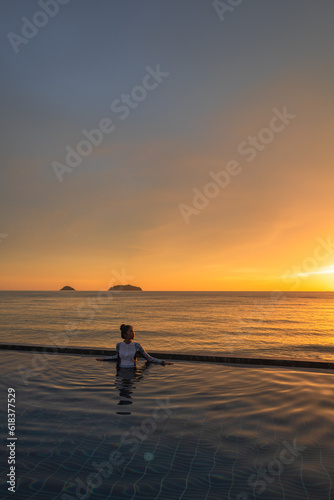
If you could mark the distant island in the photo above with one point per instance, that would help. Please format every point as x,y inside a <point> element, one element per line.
<point>125,288</point>
<point>67,288</point>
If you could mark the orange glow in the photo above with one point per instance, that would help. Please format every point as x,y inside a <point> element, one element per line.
<point>256,234</point>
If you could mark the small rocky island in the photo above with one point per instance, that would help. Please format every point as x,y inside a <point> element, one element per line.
<point>125,288</point>
<point>67,288</point>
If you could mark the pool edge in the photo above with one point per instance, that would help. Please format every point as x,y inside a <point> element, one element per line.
<point>176,356</point>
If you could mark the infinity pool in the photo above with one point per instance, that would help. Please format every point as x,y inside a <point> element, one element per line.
<point>186,431</point>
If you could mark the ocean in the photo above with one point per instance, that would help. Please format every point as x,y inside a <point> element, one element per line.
<point>285,325</point>
<point>237,432</point>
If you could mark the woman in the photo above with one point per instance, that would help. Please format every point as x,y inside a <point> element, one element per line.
<point>127,351</point>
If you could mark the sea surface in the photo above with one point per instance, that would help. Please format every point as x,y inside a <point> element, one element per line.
<point>285,325</point>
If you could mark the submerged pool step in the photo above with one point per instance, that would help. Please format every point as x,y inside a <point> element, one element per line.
<point>93,351</point>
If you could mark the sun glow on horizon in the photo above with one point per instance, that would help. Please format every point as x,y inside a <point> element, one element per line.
<point>325,270</point>
<point>240,133</point>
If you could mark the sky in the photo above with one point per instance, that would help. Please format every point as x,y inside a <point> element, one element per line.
<point>170,144</point>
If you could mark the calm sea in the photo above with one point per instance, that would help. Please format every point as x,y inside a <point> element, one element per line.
<point>296,325</point>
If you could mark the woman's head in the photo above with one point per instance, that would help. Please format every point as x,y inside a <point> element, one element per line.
<point>125,330</point>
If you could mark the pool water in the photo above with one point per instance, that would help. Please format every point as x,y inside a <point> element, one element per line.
<point>186,431</point>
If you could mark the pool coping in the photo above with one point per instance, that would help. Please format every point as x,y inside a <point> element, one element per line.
<point>52,349</point>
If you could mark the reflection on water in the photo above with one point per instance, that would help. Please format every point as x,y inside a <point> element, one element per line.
<point>125,382</point>
<point>254,324</point>
<point>233,432</point>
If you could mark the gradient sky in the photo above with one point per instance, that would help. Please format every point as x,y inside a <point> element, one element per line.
<point>270,228</point>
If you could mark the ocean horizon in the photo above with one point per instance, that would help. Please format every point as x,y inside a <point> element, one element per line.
<point>288,325</point>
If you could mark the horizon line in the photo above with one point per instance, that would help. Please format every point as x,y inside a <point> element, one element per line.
<point>219,291</point>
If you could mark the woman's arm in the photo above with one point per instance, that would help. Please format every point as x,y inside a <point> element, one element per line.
<point>109,358</point>
<point>142,351</point>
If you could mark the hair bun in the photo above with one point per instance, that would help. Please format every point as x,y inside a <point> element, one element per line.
<point>121,326</point>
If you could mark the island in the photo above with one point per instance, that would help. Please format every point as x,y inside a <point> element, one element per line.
<point>125,288</point>
<point>67,288</point>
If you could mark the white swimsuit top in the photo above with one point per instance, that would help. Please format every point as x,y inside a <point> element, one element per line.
<point>127,354</point>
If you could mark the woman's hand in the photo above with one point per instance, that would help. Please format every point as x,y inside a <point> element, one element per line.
<point>166,363</point>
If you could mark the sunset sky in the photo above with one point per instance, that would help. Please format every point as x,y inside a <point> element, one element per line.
<point>181,89</point>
